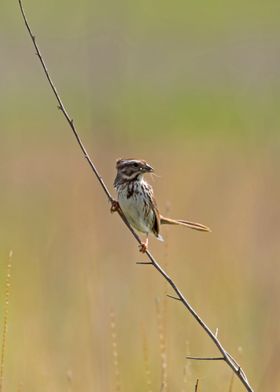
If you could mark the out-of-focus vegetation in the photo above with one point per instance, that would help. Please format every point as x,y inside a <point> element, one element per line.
<point>193,89</point>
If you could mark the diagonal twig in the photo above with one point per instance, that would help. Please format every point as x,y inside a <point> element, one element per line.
<point>231,362</point>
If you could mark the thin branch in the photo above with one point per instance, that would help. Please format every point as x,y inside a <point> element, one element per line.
<point>227,358</point>
<point>206,358</point>
<point>61,106</point>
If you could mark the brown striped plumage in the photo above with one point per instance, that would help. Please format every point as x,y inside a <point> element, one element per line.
<point>137,202</point>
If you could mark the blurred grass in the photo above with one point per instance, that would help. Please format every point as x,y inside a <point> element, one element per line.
<point>192,88</point>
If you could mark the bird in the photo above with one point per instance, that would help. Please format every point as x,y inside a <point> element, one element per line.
<point>137,202</point>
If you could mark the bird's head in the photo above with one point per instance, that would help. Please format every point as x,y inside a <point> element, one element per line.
<point>131,169</point>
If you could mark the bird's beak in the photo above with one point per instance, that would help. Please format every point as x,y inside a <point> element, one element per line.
<point>149,168</point>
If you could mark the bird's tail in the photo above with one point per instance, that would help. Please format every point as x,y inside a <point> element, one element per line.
<point>191,225</point>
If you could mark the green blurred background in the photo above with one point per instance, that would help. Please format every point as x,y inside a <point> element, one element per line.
<point>193,88</point>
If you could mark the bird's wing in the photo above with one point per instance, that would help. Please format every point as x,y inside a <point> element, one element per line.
<point>154,208</point>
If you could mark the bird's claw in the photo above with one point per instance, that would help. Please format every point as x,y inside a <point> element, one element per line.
<point>114,206</point>
<point>143,247</point>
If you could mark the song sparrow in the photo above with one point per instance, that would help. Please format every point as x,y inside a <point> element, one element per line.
<point>137,202</point>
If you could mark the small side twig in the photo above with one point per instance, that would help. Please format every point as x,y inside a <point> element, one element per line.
<point>173,297</point>
<point>206,358</point>
<point>226,356</point>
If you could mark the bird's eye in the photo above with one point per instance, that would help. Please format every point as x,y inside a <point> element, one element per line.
<point>135,164</point>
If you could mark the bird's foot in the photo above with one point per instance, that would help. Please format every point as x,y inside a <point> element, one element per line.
<point>143,247</point>
<point>115,206</point>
